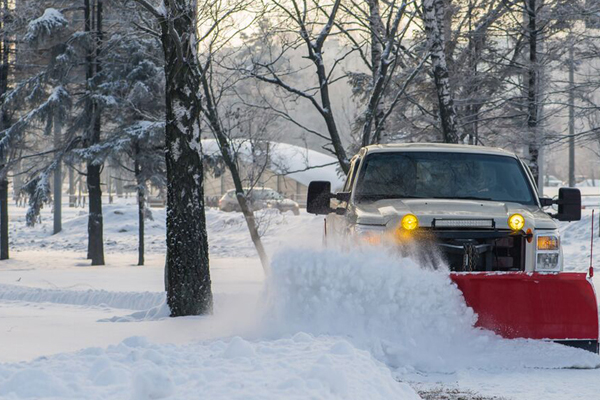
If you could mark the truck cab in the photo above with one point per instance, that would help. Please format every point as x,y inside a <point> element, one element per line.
<point>478,205</point>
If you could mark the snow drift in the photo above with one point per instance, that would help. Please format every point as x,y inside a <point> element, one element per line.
<point>89,298</point>
<point>297,368</point>
<point>411,318</point>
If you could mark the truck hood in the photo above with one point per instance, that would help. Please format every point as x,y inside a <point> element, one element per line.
<point>389,212</point>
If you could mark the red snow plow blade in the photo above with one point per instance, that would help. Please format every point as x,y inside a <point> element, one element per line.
<point>559,307</point>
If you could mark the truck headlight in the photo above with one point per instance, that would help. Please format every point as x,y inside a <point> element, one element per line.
<point>371,234</point>
<point>547,253</point>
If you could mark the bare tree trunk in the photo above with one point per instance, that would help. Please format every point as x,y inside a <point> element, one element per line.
<point>327,112</point>
<point>377,43</point>
<point>109,184</point>
<point>315,55</point>
<point>187,273</point>
<point>433,14</point>
<point>381,54</point>
<point>228,157</point>
<point>4,123</point>
<point>141,192</point>
<point>95,219</point>
<point>57,180</point>
<point>472,110</point>
<point>533,89</point>
<point>4,253</point>
<point>72,198</point>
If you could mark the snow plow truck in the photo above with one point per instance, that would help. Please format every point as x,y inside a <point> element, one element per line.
<point>479,210</point>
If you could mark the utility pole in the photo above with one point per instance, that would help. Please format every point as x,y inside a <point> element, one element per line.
<point>571,114</point>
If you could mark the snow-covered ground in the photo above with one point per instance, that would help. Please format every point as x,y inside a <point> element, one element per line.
<point>323,325</point>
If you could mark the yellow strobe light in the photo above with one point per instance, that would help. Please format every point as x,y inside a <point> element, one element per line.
<point>410,222</point>
<point>516,222</point>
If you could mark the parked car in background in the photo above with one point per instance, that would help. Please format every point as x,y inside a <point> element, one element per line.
<point>552,181</point>
<point>259,198</point>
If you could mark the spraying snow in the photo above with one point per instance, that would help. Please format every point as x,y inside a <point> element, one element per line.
<point>411,318</point>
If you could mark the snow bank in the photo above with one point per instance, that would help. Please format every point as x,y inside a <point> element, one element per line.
<point>120,230</point>
<point>411,318</point>
<point>90,298</point>
<point>227,231</point>
<point>300,367</point>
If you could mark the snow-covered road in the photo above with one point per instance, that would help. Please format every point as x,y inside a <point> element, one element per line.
<point>322,326</point>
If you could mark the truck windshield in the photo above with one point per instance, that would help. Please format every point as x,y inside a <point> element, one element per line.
<point>441,175</point>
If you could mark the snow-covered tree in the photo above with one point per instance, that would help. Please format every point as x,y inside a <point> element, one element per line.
<point>37,97</point>
<point>62,48</point>
<point>135,78</point>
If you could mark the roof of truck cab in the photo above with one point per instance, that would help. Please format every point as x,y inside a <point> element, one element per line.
<point>437,147</point>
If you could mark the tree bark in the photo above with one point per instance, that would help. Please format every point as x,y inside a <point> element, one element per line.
<point>187,274</point>
<point>433,14</point>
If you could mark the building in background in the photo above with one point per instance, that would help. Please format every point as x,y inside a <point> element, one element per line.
<point>283,167</point>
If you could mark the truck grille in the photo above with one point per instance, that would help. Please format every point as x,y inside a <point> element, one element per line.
<point>477,249</point>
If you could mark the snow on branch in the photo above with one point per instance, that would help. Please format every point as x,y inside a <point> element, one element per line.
<point>39,193</point>
<point>143,130</point>
<point>48,24</point>
<point>120,141</point>
<point>55,105</point>
<point>159,12</point>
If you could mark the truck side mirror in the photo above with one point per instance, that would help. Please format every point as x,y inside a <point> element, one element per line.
<point>569,205</point>
<point>319,196</point>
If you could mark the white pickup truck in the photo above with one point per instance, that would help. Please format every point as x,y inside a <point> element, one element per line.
<point>479,208</point>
